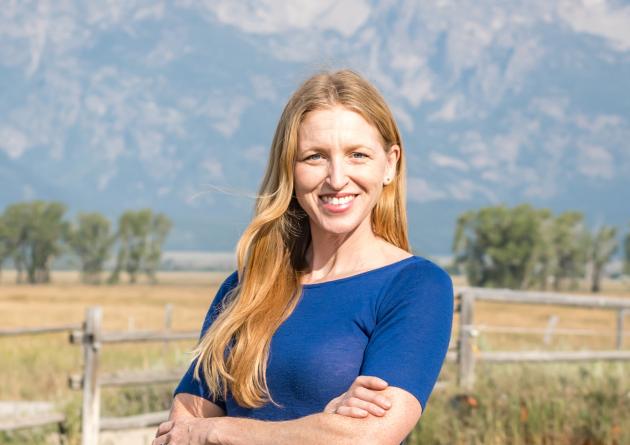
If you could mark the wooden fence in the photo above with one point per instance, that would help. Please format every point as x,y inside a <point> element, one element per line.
<point>15,415</point>
<point>468,354</point>
<point>92,339</point>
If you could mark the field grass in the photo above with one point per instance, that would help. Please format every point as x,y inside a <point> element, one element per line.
<point>560,404</point>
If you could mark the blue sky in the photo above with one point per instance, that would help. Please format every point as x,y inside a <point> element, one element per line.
<point>115,105</point>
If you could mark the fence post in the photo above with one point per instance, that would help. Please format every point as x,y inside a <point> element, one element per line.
<point>168,317</point>
<point>551,326</point>
<point>621,315</point>
<point>91,389</point>
<point>465,354</point>
<point>168,324</point>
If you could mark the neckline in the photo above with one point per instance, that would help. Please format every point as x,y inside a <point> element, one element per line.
<point>360,274</point>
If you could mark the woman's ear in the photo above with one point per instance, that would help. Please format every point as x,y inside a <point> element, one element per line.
<point>393,155</point>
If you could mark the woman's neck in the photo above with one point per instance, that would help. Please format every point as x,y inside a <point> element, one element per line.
<point>331,255</point>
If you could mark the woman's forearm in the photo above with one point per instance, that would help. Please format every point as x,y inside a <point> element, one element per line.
<point>316,429</point>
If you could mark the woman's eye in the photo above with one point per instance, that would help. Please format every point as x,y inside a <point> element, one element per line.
<point>313,157</point>
<point>359,155</point>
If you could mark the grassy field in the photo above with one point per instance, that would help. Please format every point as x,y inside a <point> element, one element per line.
<point>580,403</point>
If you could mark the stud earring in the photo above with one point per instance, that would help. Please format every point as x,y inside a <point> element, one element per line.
<point>387,180</point>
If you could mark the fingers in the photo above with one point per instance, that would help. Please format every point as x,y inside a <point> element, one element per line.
<point>331,406</point>
<point>370,396</point>
<point>372,382</point>
<point>362,398</point>
<point>351,411</point>
<point>362,406</point>
<point>164,428</point>
<point>161,440</point>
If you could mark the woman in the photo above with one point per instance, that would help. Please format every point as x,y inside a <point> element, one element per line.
<point>328,317</point>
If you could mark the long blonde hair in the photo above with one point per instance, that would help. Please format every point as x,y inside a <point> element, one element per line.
<point>271,251</point>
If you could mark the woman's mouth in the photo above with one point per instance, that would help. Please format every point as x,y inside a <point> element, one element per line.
<point>337,203</point>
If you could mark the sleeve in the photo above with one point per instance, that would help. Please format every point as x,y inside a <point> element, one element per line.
<point>413,328</point>
<point>188,384</point>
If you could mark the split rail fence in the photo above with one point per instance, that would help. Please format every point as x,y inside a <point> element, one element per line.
<point>92,338</point>
<point>467,354</point>
<point>23,415</point>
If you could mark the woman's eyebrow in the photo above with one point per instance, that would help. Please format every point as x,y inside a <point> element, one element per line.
<point>346,148</point>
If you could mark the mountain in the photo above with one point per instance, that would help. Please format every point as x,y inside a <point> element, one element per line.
<point>108,106</point>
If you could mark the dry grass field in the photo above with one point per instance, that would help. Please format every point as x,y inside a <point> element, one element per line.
<point>37,367</point>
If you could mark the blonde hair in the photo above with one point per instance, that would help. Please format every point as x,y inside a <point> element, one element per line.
<point>271,251</point>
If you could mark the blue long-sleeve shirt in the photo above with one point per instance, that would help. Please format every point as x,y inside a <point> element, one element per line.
<point>393,322</point>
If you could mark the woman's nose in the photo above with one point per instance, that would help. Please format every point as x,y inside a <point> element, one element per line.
<point>337,175</point>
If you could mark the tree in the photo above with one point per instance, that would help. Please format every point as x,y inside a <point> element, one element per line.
<point>5,244</point>
<point>497,245</point>
<point>603,245</point>
<point>140,237</point>
<point>91,240</point>
<point>569,240</point>
<point>160,226</point>
<point>34,232</point>
<point>540,267</point>
<point>18,227</point>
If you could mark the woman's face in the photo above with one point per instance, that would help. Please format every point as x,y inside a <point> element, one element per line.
<point>340,170</point>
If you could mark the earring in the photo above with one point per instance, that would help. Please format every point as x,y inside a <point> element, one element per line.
<point>386,180</point>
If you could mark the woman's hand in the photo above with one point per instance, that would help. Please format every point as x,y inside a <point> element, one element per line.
<point>361,399</point>
<point>187,431</point>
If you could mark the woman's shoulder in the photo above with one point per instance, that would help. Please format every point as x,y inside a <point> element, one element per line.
<point>419,282</point>
<point>414,267</point>
<point>421,269</point>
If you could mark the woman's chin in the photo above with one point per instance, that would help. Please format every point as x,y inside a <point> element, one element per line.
<point>337,228</point>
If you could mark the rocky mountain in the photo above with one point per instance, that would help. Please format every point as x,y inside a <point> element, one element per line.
<point>112,105</point>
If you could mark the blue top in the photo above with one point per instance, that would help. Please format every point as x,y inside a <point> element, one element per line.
<point>393,322</point>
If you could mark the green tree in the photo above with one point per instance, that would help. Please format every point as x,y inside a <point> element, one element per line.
<point>569,240</point>
<point>497,245</point>
<point>91,240</point>
<point>540,266</point>
<point>18,227</point>
<point>5,244</point>
<point>603,245</point>
<point>34,232</point>
<point>160,227</point>
<point>140,237</point>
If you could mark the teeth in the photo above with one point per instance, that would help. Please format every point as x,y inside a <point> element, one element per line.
<point>337,201</point>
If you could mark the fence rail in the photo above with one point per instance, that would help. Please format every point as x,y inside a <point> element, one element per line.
<point>548,298</point>
<point>16,415</point>
<point>11,424</point>
<point>38,330</point>
<point>76,336</point>
<point>75,381</point>
<point>533,331</point>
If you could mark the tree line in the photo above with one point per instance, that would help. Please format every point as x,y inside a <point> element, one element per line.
<point>34,233</point>
<point>524,247</point>
<point>519,247</point>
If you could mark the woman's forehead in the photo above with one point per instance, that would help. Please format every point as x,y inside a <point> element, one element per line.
<point>336,125</point>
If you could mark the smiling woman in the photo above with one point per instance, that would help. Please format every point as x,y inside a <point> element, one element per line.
<point>330,331</point>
